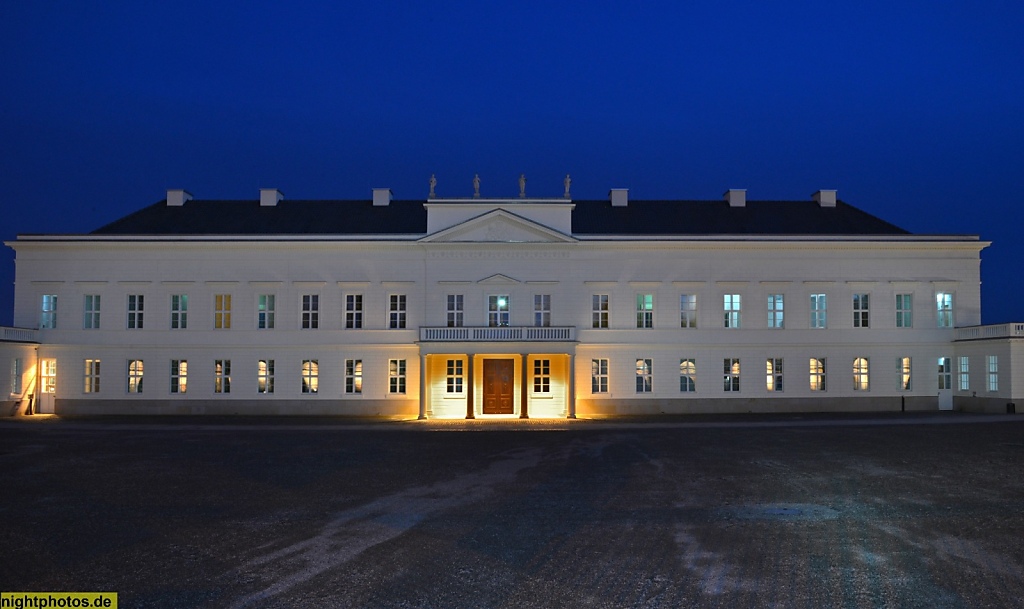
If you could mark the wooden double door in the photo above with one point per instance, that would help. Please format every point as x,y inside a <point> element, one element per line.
<point>499,386</point>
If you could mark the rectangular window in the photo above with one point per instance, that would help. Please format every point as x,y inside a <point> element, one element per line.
<point>599,308</point>
<point>817,374</point>
<point>135,370</point>
<point>265,376</point>
<point>819,311</point>
<point>945,373</point>
<point>353,311</point>
<point>903,368</point>
<point>542,310</point>
<point>48,376</point>
<point>964,373</point>
<point>454,378</point>
<point>688,375</point>
<point>92,376</point>
<point>944,309</point>
<point>455,310</point>
<point>645,310</point>
<point>904,310</point>
<point>311,311</point>
<point>542,376</point>
<point>48,312</point>
<point>396,376</point>
<point>860,374</point>
<point>731,374</point>
<point>687,310</point>
<point>310,376</point>
<point>179,375</point>
<point>136,309</point>
<point>396,311</point>
<point>179,311</point>
<point>644,382</point>
<point>599,376</point>
<point>860,310</point>
<point>993,373</point>
<point>353,376</point>
<point>91,318</point>
<point>266,310</point>
<point>498,310</point>
<point>773,370</point>
<point>222,311</point>
<point>222,376</point>
<point>731,306</point>
<point>776,317</point>
<point>16,372</point>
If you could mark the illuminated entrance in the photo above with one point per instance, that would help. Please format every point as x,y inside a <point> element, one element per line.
<point>498,386</point>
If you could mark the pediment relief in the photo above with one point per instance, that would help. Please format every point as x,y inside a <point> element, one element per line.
<point>498,226</point>
<point>498,279</point>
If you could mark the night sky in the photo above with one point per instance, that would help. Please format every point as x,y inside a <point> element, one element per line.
<point>912,110</point>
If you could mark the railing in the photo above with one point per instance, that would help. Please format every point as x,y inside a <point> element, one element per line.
<point>498,334</point>
<point>19,335</point>
<point>1011,330</point>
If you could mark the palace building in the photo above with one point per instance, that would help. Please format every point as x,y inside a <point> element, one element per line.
<point>502,307</point>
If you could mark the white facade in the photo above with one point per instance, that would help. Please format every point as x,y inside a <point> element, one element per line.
<point>496,308</point>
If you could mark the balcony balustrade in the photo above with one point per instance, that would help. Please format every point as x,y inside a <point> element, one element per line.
<point>498,334</point>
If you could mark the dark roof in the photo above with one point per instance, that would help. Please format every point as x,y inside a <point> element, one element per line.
<point>295,217</point>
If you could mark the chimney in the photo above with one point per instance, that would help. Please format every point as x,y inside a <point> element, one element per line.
<point>619,196</point>
<point>825,198</point>
<point>269,197</point>
<point>737,197</point>
<point>381,197</point>
<point>176,197</point>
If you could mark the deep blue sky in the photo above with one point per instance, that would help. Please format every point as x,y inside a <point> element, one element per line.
<point>914,111</point>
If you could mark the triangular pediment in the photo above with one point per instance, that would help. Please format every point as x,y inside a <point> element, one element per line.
<point>498,226</point>
<point>498,279</point>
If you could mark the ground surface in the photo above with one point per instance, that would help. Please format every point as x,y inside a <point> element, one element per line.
<point>750,513</point>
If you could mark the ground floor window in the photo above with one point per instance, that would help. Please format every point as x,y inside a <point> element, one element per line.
<point>310,376</point>
<point>16,376</point>
<point>454,376</point>
<point>688,375</point>
<point>860,374</point>
<point>644,380</point>
<point>542,376</point>
<point>945,373</point>
<point>396,376</point>
<point>265,376</point>
<point>903,366</point>
<point>773,371</point>
<point>179,375</point>
<point>222,376</point>
<point>135,370</point>
<point>48,376</point>
<point>993,373</point>
<point>353,376</point>
<point>599,376</point>
<point>817,373</point>
<point>731,374</point>
<point>965,373</point>
<point>92,376</point>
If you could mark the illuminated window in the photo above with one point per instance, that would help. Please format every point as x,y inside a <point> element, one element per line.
<point>644,382</point>
<point>945,373</point>
<point>860,374</point>
<point>861,310</point>
<point>498,310</point>
<point>599,375</point>
<point>179,375</point>
<point>819,311</point>
<point>353,311</point>
<point>92,376</point>
<point>944,309</point>
<point>599,310</point>
<point>645,310</point>
<point>542,310</point>
<point>265,376</point>
<point>48,376</point>
<point>542,376</point>
<point>91,318</point>
<point>455,310</point>
<point>731,374</point>
<point>904,310</point>
<point>48,313</point>
<point>396,376</point>
<point>135,370</point>
<point>687,310</point>
<point>817,373</point>
<point>453,376</point>
<point>773,372</point>
<point>732,307</point>
<point>311,311</point>
<point>310,376</point>
<point>688,375</point>
<point>222,376</point>
<point>179,311</point>
<point>353,376</point>
<point>222,311</point>
<point>136,309</point>
<point>903,368</point>
<point>776,315</point>
<point>396,311</point>
<point>964,373</point>
<point>266,310</point>
<point>993,373</point>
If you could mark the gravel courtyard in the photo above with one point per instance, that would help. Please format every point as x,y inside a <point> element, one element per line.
<point>802,512</point>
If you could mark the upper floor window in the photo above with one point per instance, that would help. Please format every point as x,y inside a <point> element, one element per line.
<point>455,310</point>
<point>48,312</point>
<point>311,311</point>
<point>599,308</point>
<point>773,370</point>
<point>687,310</point>
<point>353,311</point>
<point>222,311</point>
<point>731,306</point>
<point>396,311</point>
<point>645,310</point>
<point>819,311</point>
<point>136,309</point>
<point>904,310</point>
<point>91,318</point>
<point>944,309</point>
<point>542,310</point>
<point>498,310</point>
<point>266,311</point>
<point>179,311</point>
<point>860,310</point>
<point>776,314</point>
